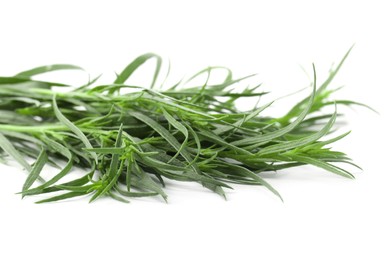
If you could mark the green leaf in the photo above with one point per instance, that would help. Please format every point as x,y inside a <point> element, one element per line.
<point>135,194</point>
<point>246,118</point>
<point>106,150</point>
<point>62,197</point>
<point>63,151</point>
<point>36,170</point>
<point>110,185</point>
<point>50,182</point>
<point>112,172</point>
<point>262,139</point>
<point>70,185</point>
<point>47,68</point>
<point>15,80</point>
<point>323,143</point>
<point>7,146</point>
<point>334,72</point>
<point>128,174</point>
<point>118,198</point>
<point>208,135</point>
<point>215,188</point>
<point>176,124</point>
<point>10,117</point>
<point>144,181</point>
<point>56,147</point>
<point>323,165</point>
<point>166,135</point>
<point>245,172</point>
<point>322,88</point>
<point>133,66</point>
<point>22,136</point>
<point>154,162</point>
<point>73,128</point>
<point>288,145</point>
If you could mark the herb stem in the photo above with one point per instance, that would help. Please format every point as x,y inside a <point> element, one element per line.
<point>45,128</point>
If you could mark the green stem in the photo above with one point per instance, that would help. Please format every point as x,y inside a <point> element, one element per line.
<point>51,93</point>
<point>45,128</point>
<point>32,129</point>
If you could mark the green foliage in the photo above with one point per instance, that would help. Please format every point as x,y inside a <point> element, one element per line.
<point>133,141</point>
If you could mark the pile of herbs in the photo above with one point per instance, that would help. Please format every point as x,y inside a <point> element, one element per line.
<point>131,142</point>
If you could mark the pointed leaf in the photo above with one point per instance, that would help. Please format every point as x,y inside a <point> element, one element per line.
<point>36,170</point>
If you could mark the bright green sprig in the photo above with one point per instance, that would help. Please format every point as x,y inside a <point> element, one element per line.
<point>131,143</point>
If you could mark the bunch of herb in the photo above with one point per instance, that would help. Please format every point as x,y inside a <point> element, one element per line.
<point>130,143</point>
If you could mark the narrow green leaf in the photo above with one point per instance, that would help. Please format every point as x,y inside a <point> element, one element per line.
<point>145,181</point>
<point>52,181</point>
<point>323,143</point>
<point>166,135</point>
<point>73,128</point>
<point>85,188</point>
<point>133,66</point>
<point>334,72</point>
<point>57,147</point>
<point>118,198</point>
<point>115,157</point>
<point>10,117</point>
<point>323,165</point>
<point>154,162</point>
<point>215,188</point>
<point>244,171</point>
<point>128,174</point>
<point>62,197</point>
<point>47,68</point>
<point>208,135</point>
<point>176,124</point>
<point>262,139</point>
<point>246,118</point>
<point>36,170</point>
<point>22,136</point>
<point>323,86</point>
<point>72,184</point>
<point>106,150</point>
<point>288,145</point>
<point>7,146</point>
<point>113,180</point>
<point>135,194</point>
<point>42,84</point>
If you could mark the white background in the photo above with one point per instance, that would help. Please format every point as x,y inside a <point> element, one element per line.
<point>323,216</point>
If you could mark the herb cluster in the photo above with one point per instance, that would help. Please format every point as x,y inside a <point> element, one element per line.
<point>131,142</point>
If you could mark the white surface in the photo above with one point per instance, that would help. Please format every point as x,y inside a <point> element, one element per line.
<point>323,216</point>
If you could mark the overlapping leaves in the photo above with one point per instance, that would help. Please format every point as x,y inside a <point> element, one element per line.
<point>131,142</point>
